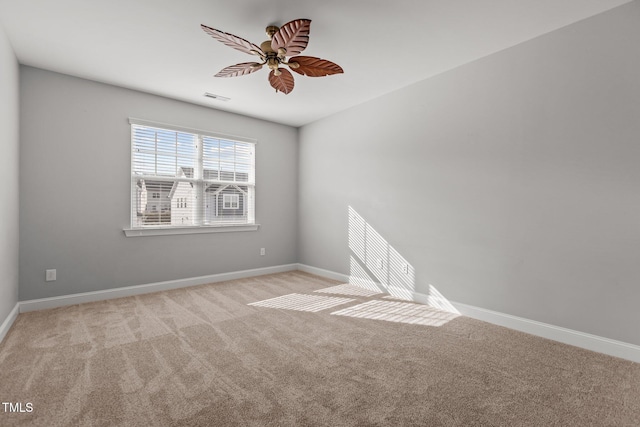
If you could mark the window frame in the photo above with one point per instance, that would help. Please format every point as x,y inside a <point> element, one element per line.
<point>155,230</point>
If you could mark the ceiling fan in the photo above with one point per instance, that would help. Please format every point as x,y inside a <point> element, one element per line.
<point>289,40</point>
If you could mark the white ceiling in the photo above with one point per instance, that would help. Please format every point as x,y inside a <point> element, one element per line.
<point>157,46</point>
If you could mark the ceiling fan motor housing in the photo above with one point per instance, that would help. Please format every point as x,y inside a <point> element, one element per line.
<point>270,56</point>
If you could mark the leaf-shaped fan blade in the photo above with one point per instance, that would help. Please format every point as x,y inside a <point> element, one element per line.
<point>233,41</point>
<point>314,67</point>
<point>282,83</point>
<point>292,36</point>
<point>239,69</point>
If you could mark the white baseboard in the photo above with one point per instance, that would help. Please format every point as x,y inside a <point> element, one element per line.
<point>61,301</point>
<point>6,325</point>
<point>556,333</point>
<point>567,336</point>
<point>323,273</point>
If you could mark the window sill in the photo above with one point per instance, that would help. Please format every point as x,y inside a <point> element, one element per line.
<point>164,231</point>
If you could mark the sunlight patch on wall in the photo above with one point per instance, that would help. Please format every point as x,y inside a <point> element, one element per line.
<point>376,265</point>
<point>359,277</point>
<point>302,302</point>
<point>437,300</point>
<point>382,261</point>
<point>351,290</point>
<point>357,232</point>
<point>395,311</point>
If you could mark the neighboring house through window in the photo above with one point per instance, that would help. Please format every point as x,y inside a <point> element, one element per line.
<point>182,177</point>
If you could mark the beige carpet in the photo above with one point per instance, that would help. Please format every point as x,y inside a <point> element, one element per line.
<point>272,351</point>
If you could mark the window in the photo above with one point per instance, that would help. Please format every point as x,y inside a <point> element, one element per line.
<point>187,178</point>
<point>230,201</point>
<point>181,202</point>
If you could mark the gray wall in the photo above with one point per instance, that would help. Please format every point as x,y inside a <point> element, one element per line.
<point>75,190</point>
<point>511,183</point>
<point>9,116</point>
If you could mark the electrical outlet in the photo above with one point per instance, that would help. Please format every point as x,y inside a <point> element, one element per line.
<point>405,268</point>
<point>263,251</point>
<point>380,264</point>
<point>50,275</point>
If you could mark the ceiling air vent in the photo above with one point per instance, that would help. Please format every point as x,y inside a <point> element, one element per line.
<point>217,97</point>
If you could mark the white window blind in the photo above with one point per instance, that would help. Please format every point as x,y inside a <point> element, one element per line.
<point>185,178</point>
